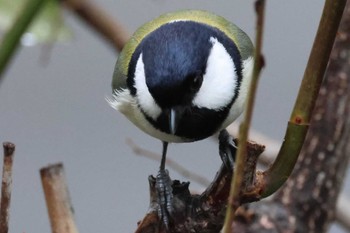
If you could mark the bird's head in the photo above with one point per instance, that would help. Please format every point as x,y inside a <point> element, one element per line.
<point>185,76</point>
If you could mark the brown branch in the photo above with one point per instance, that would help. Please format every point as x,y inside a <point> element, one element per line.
<point>100,21</point>
<point>196,213</point>
<point>6,187</point>
<point>342,213</point>
<point>57,199</point>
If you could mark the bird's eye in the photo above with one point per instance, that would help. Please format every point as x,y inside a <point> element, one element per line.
<point>196,82</point>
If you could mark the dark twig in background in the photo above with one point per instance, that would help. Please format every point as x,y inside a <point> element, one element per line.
<point>95,17</point>
<point>6,186</point>
<point>57,199</point>
<point>170,164</point>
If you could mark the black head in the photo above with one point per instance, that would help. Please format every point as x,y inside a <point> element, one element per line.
<point>174,59</point>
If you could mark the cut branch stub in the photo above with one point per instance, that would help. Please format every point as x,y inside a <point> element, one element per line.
<point>57,199</point>
<point>6,187</point>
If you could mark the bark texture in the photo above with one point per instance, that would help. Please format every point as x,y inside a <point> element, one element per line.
<point>200,213</point>
<point>307,202</point>
<point>312,191</point>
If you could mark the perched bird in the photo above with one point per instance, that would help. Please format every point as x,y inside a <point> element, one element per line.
<point>183,77</point>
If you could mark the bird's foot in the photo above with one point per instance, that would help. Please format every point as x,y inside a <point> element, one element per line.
<point>227,149</point>
<point>165,197</point>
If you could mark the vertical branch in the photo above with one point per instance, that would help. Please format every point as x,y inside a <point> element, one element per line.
<point>57,199</point>
<point>298,124</point>
<point>6,186</point>
<point>317,63</point>
<point>314,186</point>
<point>236,191</point>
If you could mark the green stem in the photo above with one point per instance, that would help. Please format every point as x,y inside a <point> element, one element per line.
<point>237,180</point>
<point>317,64</point>
<point>283,166</point>
<point>11,39</point>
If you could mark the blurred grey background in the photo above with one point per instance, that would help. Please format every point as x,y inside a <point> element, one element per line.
<point>58,113</point>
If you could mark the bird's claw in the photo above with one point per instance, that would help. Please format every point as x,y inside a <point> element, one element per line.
<point>227,149</point>
<point>165,196</point>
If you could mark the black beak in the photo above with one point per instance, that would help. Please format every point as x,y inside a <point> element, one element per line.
<point>175,116</point>
<point>172,122</point>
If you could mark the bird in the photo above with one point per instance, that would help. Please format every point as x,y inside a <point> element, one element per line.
<point>183,77</point>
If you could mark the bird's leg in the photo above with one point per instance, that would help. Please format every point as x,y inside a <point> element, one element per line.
<point>164,190</point>
<point>227,149</point>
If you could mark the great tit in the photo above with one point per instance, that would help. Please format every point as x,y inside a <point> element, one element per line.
<point>182,77</point>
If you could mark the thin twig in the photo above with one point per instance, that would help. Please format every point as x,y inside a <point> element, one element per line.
<point>100,21</point>
<point>237,181</point>
<point>170,163</point>
<point>57,199</point>
<point>6,188</point>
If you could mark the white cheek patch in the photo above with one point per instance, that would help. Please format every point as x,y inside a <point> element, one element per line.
<point>219,81</point>
<point>144,98</point>
<point>238,106</point>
